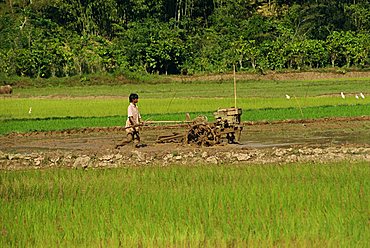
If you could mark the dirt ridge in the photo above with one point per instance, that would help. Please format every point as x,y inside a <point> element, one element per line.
<point>184,157</point>
<point>273,75</point>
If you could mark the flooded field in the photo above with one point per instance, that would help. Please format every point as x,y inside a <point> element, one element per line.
<point>276,142</point>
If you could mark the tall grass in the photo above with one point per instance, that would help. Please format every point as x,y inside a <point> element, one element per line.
<point>292,205</point>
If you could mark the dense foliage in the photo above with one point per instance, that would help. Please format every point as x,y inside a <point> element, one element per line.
<point>61,38</point>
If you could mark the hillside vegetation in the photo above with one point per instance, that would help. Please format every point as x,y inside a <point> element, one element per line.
<point>64,38</point>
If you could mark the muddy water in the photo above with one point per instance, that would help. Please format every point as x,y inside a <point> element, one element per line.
<point>311,134</point>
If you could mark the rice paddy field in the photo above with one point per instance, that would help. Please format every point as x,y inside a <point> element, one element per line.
<point>62,107</point>
<point>319,203</point>
<point>300,205</point>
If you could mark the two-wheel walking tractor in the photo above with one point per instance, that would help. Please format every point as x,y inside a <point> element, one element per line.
<point>227,126</point>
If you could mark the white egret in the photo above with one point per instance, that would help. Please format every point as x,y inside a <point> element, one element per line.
<point>362,95</point>
<point>287,96</point>
<point>342,94</point>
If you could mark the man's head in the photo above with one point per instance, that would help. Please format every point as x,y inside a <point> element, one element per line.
<point>133,97</point>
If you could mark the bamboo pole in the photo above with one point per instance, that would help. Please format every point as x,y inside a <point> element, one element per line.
<point>234,87</point>
<point>159,122</point>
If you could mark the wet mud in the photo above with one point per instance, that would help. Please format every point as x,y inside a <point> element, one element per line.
<point>263,142</point>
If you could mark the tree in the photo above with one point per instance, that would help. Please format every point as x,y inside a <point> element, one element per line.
<point>359,16</point>
<point>47,38</point>
<point>345,47</point>
<point>154,46</point>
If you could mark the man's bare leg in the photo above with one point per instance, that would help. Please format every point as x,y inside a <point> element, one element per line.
<point>136,137</point>
<point>130,138</point>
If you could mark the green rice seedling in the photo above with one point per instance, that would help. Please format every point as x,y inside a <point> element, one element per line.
<point>271,114</point>
<point>68,107</point>
<point>268,205</point>
<point>15,108</point>
<point>268,114</point>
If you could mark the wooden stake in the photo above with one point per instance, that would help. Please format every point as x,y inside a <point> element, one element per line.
<point>234,87</point>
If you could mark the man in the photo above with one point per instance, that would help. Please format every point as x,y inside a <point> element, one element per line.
<point>133,122</point>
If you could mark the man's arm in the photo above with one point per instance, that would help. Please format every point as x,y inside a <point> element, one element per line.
<point>132,121</point>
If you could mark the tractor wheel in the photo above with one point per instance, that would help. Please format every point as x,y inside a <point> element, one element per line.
<point>231,138</point>
<point>202,135</point>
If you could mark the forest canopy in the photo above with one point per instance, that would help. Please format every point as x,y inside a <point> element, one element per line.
<point>61,38</point>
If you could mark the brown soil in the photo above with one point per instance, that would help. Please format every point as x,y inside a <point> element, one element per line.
<point>271,75</point>
<point>321,140</point>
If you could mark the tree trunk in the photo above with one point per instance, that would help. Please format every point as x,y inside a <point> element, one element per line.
<point>10,3</point>
<point>253,62</point>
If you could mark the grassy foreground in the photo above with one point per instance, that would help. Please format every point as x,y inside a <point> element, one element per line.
<point>265,205</point>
